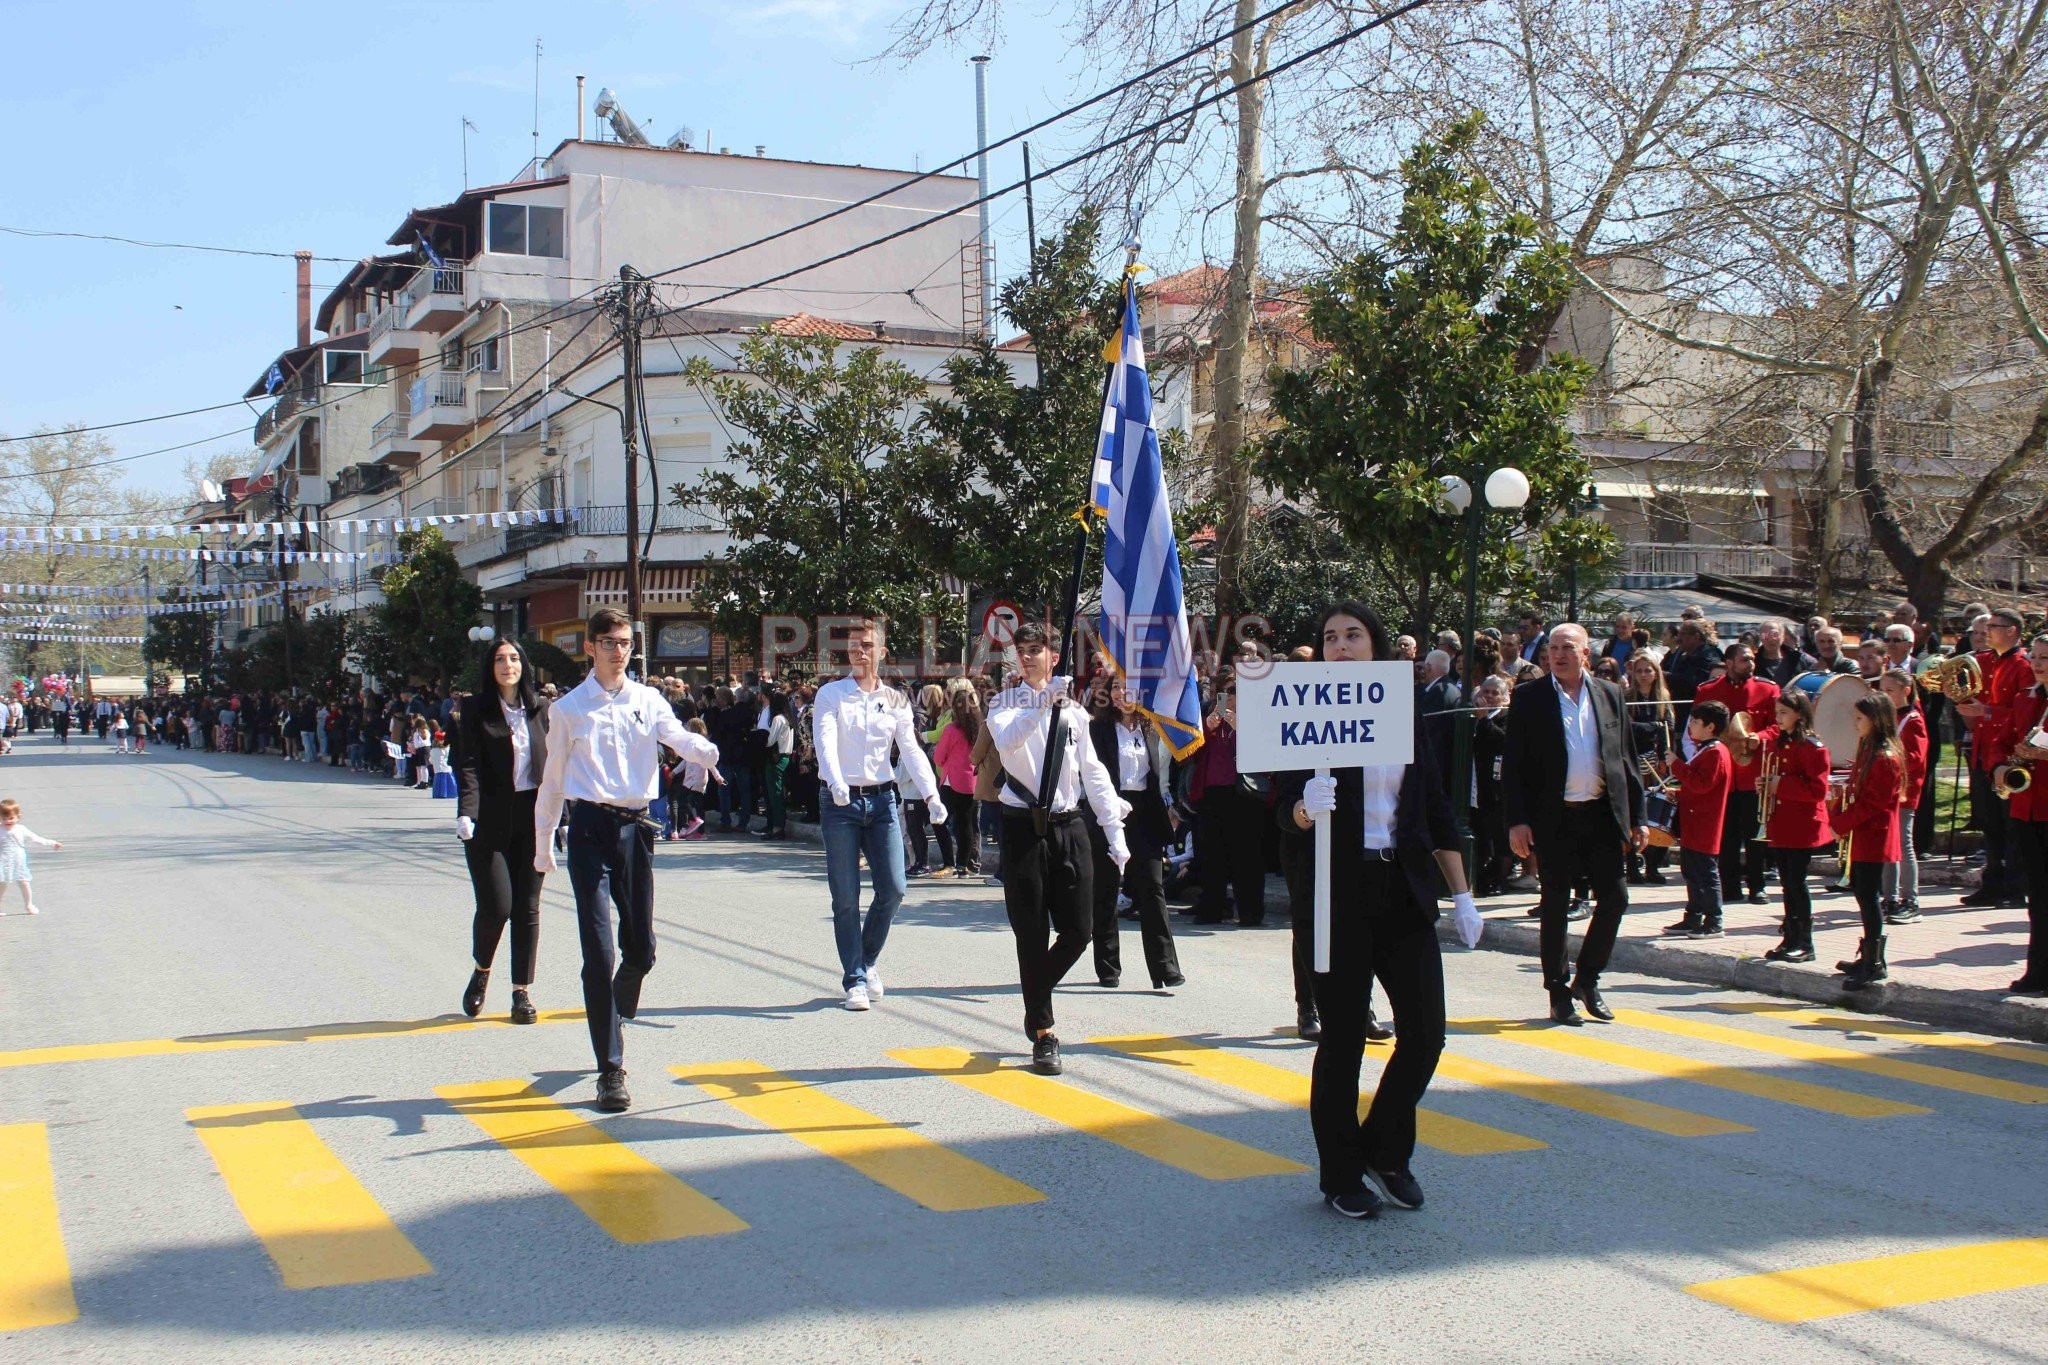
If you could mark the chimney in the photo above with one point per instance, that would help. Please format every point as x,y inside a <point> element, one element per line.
<point>579,109</point>
<point>305,260</point>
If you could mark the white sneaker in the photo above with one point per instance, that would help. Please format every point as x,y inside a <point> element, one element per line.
<point>874,984</point>
<point>34,911</point>
<point>857,997</point>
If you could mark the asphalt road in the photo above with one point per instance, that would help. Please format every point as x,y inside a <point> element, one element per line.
<point>239,1120</point>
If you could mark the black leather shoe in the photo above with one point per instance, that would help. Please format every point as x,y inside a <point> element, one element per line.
<point>612,1095</point>
<point>1796,955</point>
<point>1308,1024</point>
<point>2028,986</point>
<point>1595,1004</point>
<point>1375,1031</point>
<point>1563,1010</point>
<point>473,995</point>
<point>1169,982</point>
<point>523,1011</point>
<point>1109,983</point>
<point>626,991</point>
<point>1360,1204</point>
<point>1758,898</point>
<point>1398,1188</point>
<point>1045,1055</point>
<point>1981,896</point>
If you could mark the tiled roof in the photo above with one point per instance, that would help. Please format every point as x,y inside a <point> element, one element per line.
<point>804,325</point>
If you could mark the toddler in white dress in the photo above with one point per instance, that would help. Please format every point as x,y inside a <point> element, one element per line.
<point>15,838</point>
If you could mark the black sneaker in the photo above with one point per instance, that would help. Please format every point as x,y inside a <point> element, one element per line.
<point>1758,898</point>
<point>1980,897</point>
<point>1045,1055</point>
<point>1710,929</point>
<point>1308,1025</point>
<point>1578,910</point>
<point>612,1095</point>
<point>1360,1203</point>
<point>1398,1188</point>
<point>1904,914</point>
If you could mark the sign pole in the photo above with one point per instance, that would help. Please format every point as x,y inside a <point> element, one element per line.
<point>1322,956</point>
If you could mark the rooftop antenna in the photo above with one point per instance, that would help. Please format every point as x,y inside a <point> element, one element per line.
<point>467,129</point>
<point>536,105</point>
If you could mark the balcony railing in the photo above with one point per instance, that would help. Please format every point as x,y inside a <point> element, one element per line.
<point>389,319</point>
<point>1732,561</point>
<point>590,521</point>
<point>438,390</point>
<point>290,401</point>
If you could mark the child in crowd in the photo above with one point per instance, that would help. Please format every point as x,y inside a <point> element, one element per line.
<point>1869,814</point>
<point>15,838</point>
<point>438,765</point>
<point>120,731</point>
<point>689,815</point>
<point>417,742</point>
<point>1703,784</point>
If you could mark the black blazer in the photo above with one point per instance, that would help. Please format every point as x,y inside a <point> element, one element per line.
<point>483,765</point>
<point>1148,808</point>
<point>1533,759</point>
<point>1423,824</point>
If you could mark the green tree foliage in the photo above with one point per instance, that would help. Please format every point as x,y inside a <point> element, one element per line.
<point>181,641</point>
<point>1419,380</point>
<point>1002,494</point>
<point>820,493</point>
<point>1295,567</point>
<point>420,631</point>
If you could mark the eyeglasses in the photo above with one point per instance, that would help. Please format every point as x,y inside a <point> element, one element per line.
<point>613,643</point>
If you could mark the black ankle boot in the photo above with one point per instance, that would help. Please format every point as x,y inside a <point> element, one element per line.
<point>473,997</point>
<point>523,1011</point>
<point>1870,967</point>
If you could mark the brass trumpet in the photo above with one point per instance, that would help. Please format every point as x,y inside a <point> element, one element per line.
<point>2011,779</point>
<point>1956,676</point>
<point>1767,785</point>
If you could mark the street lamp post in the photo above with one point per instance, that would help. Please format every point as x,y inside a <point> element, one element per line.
<point>1506,488</point>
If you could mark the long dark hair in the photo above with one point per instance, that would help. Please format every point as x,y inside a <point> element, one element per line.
<point>487,672</point>
<point>1884,728</point>
<point>1801,706</point>
<point>966,704</point>
<point>1382,651</point>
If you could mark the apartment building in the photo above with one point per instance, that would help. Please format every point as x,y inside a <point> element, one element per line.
<point>472,368</point>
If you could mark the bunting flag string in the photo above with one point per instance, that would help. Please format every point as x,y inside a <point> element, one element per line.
<point>55,611</point>
<point>97,590</point>
<point>43,538</point>
<point>208,556</point>
<point>45,639</point>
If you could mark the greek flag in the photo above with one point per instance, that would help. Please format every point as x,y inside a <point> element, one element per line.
<point>433,256</point>
<point>274,379</point>
<point>1144,624</point>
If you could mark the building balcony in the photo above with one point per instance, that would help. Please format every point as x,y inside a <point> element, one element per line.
<point>590,522</point>
<point>290,403</point>
<point>440,407</point>
<point>1688,561</point>
<point>391,342</point>
<point>433,302</point>
<point>391,442</point>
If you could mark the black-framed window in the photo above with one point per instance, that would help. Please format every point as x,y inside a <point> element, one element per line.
<point>524,230</point>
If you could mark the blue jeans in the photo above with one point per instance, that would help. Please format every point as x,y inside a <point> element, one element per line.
<point>736,794</point>
<point>869,824</point>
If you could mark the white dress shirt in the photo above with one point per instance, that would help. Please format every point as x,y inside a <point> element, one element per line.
<point>524,778</point>
<point>1133,758</point>
<point>1381,788</point>
<point>1581,742</point>
<point>853,732</point>
<point>606,747</point>
<point>1019,720</point>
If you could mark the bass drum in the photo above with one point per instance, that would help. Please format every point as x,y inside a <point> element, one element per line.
<point>1834,698</point>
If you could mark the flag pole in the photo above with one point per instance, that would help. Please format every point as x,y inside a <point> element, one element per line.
<point>1070,625</point>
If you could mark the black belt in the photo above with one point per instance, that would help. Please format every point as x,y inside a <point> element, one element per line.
<point>1594,804</point>
<point>1059,817</point>
<point>616,812</point>
<point>876,789</point>
<point>1382,855</point>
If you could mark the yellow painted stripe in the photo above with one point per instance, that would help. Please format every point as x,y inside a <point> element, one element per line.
<point>1162,1139</point>
<point>315,1219</point>
<point>616,1188</point>
<point>1584,1099</point>
<point>35,1274</point>
<point>1799,1049</point>
<point>2032,1053</point>
<point>1444,1132</point>
<point>1833,1291</point>
<point>236,1042</point>
<point>890,1155</point>
<point>1826,1099</point>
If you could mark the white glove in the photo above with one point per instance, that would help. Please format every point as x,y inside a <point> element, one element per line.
<point>935,810</point>
<point>1319,795</point>
<point>1058,688</point>
<point>1465,919</point>
<point>544,857</point>
<point>840,796</point>
<point>465,828</point>
<point>1119,851</point>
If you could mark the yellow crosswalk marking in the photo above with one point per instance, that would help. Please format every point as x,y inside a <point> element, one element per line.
<point>35,1274</point>
<point>1826,1099</point>
<point>237,1042</point>
<point>1658,1118</point>
<point>1940,1077</point>
<point>315,1219</point>
<point>1444,1132</point>
<point>616,1188</point>
<point>1162,1139</point>
<point>1832,1291</point>
<point>890,1155</point>
<point>2032,1053</point>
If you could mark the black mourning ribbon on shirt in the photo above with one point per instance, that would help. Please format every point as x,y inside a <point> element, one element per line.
<point>1048,775</point>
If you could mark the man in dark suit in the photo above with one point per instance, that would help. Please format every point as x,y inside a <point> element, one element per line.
<point>1572,792</point>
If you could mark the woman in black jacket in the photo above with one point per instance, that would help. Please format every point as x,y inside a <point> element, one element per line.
<point>500,753</point>
<point>1393,845</point>
<point>1141,769</point>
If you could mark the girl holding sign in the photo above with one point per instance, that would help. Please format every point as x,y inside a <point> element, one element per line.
<point>1393,845</point>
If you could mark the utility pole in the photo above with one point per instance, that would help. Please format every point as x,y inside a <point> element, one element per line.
<point>632,311</point>
<point>284,584</point>
<point>145,629</point>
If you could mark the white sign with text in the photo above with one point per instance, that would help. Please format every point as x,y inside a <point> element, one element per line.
<point>1341,715</point>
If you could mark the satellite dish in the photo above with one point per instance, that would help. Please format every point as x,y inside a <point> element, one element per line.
<point>209,490</point>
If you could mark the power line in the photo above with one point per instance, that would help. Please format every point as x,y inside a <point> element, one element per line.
<point>167,246</point>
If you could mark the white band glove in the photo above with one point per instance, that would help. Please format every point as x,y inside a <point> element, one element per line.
<point>840,796</point>
<point>1465,919</point>
<point>1058,688</point>
<point>935,810</point>
<point>1119,851</point>
<point>465,828</point>
<point>1319,795</point>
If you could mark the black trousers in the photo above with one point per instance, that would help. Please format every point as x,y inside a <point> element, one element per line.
<point>1742,850</point>
<point>1048,889</point>
<point>963,820</point>
<point>2001,864</point>
<point>1792,867</point>
<point>1147,874</point>
<point>611,868</point>
<point>1231,846</point>
<point>1398,945</point>
<point>507,889</point>
<point>2030,839</point>
<point>1585,848</point>
<point>1298,870</point>
<point>1865,880</point>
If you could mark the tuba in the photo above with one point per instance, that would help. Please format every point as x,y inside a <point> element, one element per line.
<point>1956,676</point>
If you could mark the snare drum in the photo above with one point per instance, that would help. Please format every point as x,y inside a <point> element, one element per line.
<point>1660,809</point>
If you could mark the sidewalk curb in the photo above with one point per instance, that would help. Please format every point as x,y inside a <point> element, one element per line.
<point>1976,1012</point>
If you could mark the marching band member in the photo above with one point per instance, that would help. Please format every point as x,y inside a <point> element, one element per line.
<point>1755,699</point>
<point>1795,803</point>
<point>1992,736</point>
<point>1901,898</point>
<point>1868,811</point>
<point>1392,840</point>
<point>1704,780</point>
<point>2029,816</point>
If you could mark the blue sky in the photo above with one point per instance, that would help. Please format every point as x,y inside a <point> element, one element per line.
<point>279,126</point>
